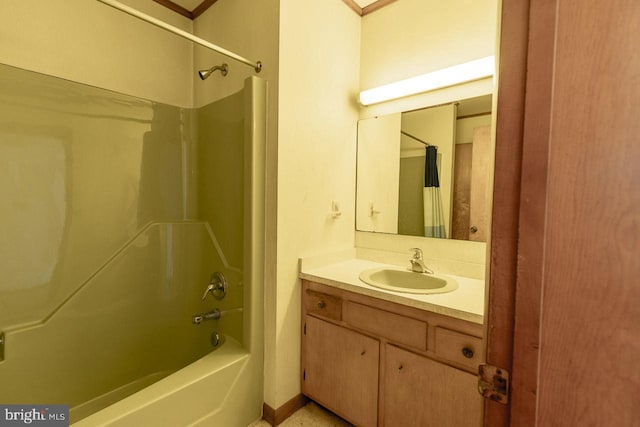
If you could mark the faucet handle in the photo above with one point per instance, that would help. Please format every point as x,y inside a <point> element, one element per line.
<point>417,253</point>
<point>210,288</point>
<point>217,286</point>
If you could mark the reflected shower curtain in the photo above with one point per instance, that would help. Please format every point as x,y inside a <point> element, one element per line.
<point>433,216</point>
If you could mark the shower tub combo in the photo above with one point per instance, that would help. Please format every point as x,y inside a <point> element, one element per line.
<point>132,253</point>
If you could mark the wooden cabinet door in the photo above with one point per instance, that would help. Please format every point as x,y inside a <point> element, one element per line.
<point>341,371</point>
<point>420,392</point>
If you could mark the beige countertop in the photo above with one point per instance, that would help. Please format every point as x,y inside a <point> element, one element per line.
<point>466,302</point>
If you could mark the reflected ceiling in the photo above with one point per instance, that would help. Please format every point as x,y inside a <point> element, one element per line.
<point>364,3</point>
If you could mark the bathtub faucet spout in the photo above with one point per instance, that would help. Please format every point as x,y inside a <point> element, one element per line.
<point>214,314</point>
<point>209,315</point>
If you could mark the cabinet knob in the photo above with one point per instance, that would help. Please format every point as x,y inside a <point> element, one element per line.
<point>474,229</point>
<point>321,304</point>
<point>400,367</point>
<point>363,352</point>
<point>467,352</point>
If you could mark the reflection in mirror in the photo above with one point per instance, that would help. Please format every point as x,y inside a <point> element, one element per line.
<point>393,192</point>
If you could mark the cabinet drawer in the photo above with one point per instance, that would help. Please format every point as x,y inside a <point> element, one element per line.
<point>329,306</point>
<point>458,347</point>
<point>394,327</point>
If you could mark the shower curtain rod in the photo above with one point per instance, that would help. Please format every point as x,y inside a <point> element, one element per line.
<point>257,66</point>
<point>418,139</point>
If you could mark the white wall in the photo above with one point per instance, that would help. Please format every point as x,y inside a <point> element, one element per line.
<point>318,83</point>
<point>88,42</point>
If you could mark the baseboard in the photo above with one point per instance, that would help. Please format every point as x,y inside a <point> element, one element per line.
<point>268,414</point>
<point>277,416</point>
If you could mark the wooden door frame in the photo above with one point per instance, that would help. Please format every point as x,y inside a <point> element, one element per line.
<point>508,208</point>
<point>520,232</point>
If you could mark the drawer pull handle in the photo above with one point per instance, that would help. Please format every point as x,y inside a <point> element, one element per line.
<point>467,352</point>
<point>363,352</point>
<point>400,367</point>
<point>321,304</point>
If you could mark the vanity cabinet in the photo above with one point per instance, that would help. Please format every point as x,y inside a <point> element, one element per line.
<point>341,371</point>
<point>421,392</point>
<point>380,363</point>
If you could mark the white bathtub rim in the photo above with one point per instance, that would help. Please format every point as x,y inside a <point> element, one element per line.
<point>231,353</point>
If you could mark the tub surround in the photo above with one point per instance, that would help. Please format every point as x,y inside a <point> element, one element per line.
<point>341,270</point>
<point>111,296</point>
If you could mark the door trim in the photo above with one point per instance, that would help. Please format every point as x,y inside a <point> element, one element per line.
<point>503,243</point>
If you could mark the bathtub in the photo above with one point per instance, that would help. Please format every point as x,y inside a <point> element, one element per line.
<point>212,391</point>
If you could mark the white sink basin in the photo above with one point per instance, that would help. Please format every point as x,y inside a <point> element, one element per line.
<point>400,280</point>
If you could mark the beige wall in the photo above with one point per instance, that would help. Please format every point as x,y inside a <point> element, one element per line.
<point>319,57</point>
<point>88,42</point>
<point>412,37</point>
<point>245,27</point>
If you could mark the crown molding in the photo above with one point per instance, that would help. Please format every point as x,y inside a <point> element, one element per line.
<point>191,14</point>
<point>362,11</point>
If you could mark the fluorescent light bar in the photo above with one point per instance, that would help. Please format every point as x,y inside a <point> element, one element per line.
<point>473,70</point>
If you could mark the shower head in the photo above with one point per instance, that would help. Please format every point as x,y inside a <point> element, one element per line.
<point>204,74</point>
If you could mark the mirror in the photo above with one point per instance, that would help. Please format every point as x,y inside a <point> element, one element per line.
<point>393,194</point>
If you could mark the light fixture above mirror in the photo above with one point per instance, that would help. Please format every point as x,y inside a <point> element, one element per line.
<point>445,77</point>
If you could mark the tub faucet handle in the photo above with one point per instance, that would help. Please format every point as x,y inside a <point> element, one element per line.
<point>210,288</point>
<point>217,286</point>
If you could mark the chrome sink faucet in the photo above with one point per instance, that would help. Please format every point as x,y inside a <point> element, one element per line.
<point>417,262</point>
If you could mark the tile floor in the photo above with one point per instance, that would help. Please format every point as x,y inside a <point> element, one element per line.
<point>310,415</point>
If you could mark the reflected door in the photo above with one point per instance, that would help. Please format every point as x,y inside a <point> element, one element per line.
<point>480,169</point>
